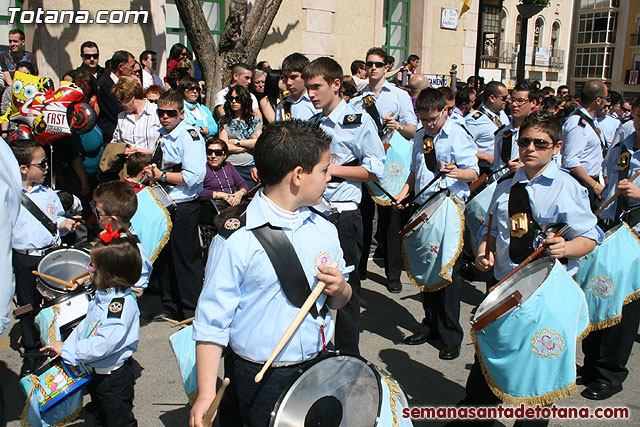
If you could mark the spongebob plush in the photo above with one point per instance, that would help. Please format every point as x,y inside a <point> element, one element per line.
<point>26,86</point>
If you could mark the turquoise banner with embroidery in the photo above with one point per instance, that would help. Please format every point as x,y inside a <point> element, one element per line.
<point>151,223</point>
<point>476,213</point>
<point>430,252</point>
<point>184,348</point>
<point>610,276</point>
<point>529,355</point>
<point>396,168</point>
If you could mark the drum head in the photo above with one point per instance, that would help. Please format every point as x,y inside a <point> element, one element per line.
<point>334,391</point>
<point>526,281</point>
<point>431,206</point>
<point>65,264</point>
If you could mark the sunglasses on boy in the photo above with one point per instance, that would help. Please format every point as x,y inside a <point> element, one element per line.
<point>538,143</point>
<point>218,153</point>
<point>42,165</point>
<point>169,113</point>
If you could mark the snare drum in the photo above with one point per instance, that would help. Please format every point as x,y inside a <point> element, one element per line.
<point>339,390</point>
<point>432,242</point>
<point>476,213</point>
<point>609,276</point>
<point>63,263</point>
<point>152,221</point>
<point>54,392</point>
<point>526,332</point>
<point>60,316</point>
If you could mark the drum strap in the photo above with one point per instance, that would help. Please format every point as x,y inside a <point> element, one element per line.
<point>592,123</point>
<point>524,229</point>
<point>39,215</point>
<point>354,162</point>
<point>507,143</point>
<point>429,150</point>
<point>369,105</point>
<point>624,163</point>
<point>287,265</point>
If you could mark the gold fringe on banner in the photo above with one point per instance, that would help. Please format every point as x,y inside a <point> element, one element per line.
<point>53,328</point>
<point>24,422</point>
<point>394,390</point>
<point>376,199</point>
<point>167,235</point>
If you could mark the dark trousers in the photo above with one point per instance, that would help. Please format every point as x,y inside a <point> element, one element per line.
<point>179,267</point>
<point>112,397</point>
<point>367,209</point>
<point>255,400</point>
<point>607,351</point>
<point>391,222</point>
<point>347,335</point>
<point>26,293</point>
<point>442,309</point>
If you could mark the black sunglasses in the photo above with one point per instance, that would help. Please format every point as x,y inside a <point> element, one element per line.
<point>169,113</point>
<point>197,88</point>
<point>233,99</point>
<point>155,101</point>
<point>539,143</point>
<point>376,64</point>
<point>90,55</point>
<point>43,164</point>
<point>218,153</point>
<point>626,110</point>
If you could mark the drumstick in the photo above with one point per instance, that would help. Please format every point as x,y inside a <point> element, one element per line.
<point>69,285</point>
<point>173,322</point>
<point>487,249</point>
<point>482,178</point>
<point>82,276</point>
<point>386,193</point>
<point>435,178</point>
<point>311,299</point>
<point>184,322</point>
<point>214,405</point>
<point>530,258</point>
<point>615,196</point>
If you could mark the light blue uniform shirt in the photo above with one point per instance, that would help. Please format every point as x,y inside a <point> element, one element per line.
<point>242,303</point>
<point>147,267</point>
<point>29,233</point>
<point>483,129</point>
<point>624,130</point>
<point>497,149</point>
<point>301,109</point>
<point>457,117</point>
<point>350,142</point>
<point>610,165</point>
<point>101,341</point>
<point>609,126</point>
<point>179,146</point>
<point>581,145</point>
<point>555,197</point>
<point>10,187</point>
<point>452,144</point>
<point>391,99</point>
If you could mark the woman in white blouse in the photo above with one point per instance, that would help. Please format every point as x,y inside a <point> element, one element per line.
<point>138,124</point>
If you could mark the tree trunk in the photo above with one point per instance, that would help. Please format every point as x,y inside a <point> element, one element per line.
<point>241,40</point>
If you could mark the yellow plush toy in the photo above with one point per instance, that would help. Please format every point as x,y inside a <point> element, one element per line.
<point>25,86</point>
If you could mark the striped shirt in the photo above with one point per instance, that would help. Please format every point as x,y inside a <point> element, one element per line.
<point>141,132</point>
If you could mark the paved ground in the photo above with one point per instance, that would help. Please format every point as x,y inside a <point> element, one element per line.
<point>386,320</point>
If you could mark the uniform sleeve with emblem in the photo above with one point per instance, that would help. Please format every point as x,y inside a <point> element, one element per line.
<point>574,142</point>
<point>194,158</point>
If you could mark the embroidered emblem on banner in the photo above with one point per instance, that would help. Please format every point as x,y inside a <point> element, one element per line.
<point>602,286</point>
<point>395,169</point>
<point>232,224</point>
<point>432,250</point>
<point>322,259</point>
<point>547,343</point>
<point>334,160</point>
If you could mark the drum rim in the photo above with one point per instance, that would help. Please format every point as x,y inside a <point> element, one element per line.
<point>62,298</point>
<point>306,366</point>
<point>424,205</point>
<point>63,248</point>
<point>51,251</point>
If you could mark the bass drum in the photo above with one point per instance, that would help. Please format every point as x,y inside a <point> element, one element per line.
<point>59,317</point>
<point>341,391</point>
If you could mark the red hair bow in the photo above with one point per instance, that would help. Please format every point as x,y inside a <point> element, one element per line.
<point>108,234</point>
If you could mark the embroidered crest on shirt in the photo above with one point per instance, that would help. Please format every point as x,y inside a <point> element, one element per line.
<point>322,259</point>
<point>547,343</point>
<point>334,160</point>
<point>352,119</point>
<point>51,210</point>
<point>602,286</point>
<point>115,308</point>
<point>194,134</point>
<point>232,224</point>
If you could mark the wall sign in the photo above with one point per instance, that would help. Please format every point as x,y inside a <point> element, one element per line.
<point>449,19</point>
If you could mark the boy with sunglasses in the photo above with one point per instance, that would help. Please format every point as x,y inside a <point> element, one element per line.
<point>441,146</point>
<point>40,223</point>
<point>179,165</point>
<point>553,197</point>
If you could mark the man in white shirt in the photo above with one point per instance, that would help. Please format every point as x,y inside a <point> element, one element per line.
<point>240,75</point>
<point>359,74</point>
<point>149,61</point>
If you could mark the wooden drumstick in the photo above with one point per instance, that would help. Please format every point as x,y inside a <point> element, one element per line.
<point>183,322</point>
<point>487,249</point>
<point>530,258</point>
<point>214,405</point>
<point>82,276</point>
<point>69,285</point>
<point>311,299</point>
<point>615,196</point>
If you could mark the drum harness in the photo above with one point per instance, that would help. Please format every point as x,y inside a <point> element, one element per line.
<point>43,219</point>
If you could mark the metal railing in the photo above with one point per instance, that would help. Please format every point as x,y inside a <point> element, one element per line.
<point>543,57</point>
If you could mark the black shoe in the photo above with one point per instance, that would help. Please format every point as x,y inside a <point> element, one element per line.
<point>581,377</point>
<point>449,352</point>
<point>394,286</point>
<point>160,317</point>
<point>422,336</point>
<point>599,390</point>
<point>31,364</point>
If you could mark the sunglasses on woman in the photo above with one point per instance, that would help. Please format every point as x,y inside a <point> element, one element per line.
<point>234,99</point>
<point>169,113</point>
<point>217,153</point>
<point>196,88</point>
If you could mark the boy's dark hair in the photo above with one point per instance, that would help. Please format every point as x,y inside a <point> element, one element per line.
<point>240,68</point>
<point>412,58</point>
<point>463,96</point>
<point>172,97</point>
<point>492,88</point>
<point>283,146</point>
<point>23,151</point>
<point>527,86</point>
<point>136,163</point>
<point>389,60</point>
<point>117,198</point>
<point>549,103</point>
<point>447,93</point>
<point>88,44</point>
<point>295,62</point>
<point>430,99</point>
<point>379,52</point>
<point>66,199</point>
<point>546,122</point>
<point>118,263</point>
<point>28,65</point>
<point>356,66</point>
<point>325,67</point>
<point>547,91</point>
